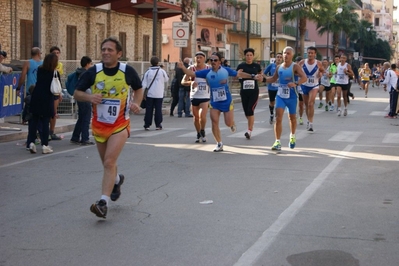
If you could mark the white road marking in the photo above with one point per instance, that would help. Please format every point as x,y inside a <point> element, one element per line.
<point>346,136</point>
<point>391,138</point>
<point>251,256</point>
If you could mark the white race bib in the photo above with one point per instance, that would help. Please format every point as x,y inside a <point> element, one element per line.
<point>219,94</point>
<point>310,80</point>
<point>248,84</point>
<point>283,91</point>
<point>108,110</point>
<point>340,78</point>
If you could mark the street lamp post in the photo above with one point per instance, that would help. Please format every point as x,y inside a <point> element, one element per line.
<point>339,11</point>
<point>154,28</point>
<point>248,22</point>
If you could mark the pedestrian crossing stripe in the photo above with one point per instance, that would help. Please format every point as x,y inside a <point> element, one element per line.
<point>378,113</point>
<point>153,132</point>
<point>346,136</point>
<point>391,138</point>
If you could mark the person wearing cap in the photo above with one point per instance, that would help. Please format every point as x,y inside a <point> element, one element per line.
<point>272,88</point>
<point>249,91</point>
<point>221,100</point>
<point>199,96</point>
<point>4,69</point>
<point>286,95</point>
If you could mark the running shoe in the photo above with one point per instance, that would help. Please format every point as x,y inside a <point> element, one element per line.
<point>233,128</point>
<point>307,125</point>
<point>219,147</point>
<point>32,147</point>
<point>55,137</point>
<point>74,142</point>
<point>116,191</point>
<point>300,121</point>
<point>99,208</point>
<point>86,143</point>
<point>271,119</point>
<point>47,149</point>
<point>248,134</point>
<point>326,107</point>
<point>339,112</point>
<point>202,132</point>
<point>332,108</point>
<point>292,143</point>
<point>345,112</point>
<point>320,105</point>
<point>365,96</point>
<point>310,129</point>
<point>198,140</point>
<point>276,146</point>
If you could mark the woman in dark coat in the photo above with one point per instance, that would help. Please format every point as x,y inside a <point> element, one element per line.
<point>42,104</point>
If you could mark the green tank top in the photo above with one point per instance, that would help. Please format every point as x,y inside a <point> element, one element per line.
<point>333,70</point>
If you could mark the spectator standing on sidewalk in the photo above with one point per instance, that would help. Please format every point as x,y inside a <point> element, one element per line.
<point>4,69</point>
<point>42,104</point>
<point>111,83</point>
<point>154,80</point>
<point>389,83</point>
<point>80,133</point>
<point>174,89</point>
<point>57,98</point>
<point>29,70</point>
<point>184,93</point>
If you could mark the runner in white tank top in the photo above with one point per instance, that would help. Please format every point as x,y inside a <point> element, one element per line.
<point>313,70</point>
<point>342,81</point>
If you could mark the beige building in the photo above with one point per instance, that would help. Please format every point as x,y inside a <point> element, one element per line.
<point>79,26</point>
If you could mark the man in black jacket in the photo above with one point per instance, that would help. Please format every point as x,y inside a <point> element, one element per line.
<point>184,92</point>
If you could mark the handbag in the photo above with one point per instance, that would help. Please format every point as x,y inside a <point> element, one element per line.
<point>143,102</point>
<point>55,86</point>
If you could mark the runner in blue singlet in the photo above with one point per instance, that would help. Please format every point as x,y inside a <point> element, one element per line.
<point>221,100</point>
<point>286,95</point>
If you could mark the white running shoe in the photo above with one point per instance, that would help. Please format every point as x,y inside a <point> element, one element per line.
<point>32,147</point>
<point>47,149</point>
<point>332,108</point>
<point>219,147</point>
<point>345,112</point>
<point>339,112</point>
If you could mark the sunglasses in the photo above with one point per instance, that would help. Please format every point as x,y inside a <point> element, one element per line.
<point>213,60</point>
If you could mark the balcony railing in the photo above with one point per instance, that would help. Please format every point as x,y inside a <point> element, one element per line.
<point>254,27</point>
<point>218,11</point>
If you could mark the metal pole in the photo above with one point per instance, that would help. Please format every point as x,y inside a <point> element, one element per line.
<point>328,39</point>
<point>248,22</point>
<point>154,28</point>
<point>37,5</point>
<point>274,30</point>
<point>297,32</point>
<point>271,24</point>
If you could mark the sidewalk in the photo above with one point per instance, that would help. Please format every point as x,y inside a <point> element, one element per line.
<point>12,129</point>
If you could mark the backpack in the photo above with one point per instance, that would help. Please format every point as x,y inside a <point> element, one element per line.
<point>71,82</point>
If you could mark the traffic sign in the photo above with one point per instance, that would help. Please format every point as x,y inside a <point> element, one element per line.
<point>180,30</point>
<point>356,55</point>
<point>180,43</point>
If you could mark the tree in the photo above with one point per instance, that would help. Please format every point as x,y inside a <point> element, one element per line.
<point>187,11</point>
<point>311,12</point>
<point>363,35</point>
<point>347,21</point>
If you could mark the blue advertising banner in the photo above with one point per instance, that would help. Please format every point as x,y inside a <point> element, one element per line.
<point>11,103</point>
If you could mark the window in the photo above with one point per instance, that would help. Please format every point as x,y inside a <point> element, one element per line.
<point>377,22</point>
<point>26,37</point>
<point>146,48</point>
<point>71,43</point>
<point>122,39</point>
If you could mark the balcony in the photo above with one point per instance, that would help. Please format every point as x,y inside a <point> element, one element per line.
<point>218,11</point>
<point>241,28</point>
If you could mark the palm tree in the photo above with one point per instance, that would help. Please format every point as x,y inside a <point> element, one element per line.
<point>364,36</point>
<point>187,11</point>
<point>347,21</point>
<point>311,12</point>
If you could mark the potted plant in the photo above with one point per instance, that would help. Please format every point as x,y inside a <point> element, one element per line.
<point>209,11</point>
<point>243,6</point>
<point>232,3</point>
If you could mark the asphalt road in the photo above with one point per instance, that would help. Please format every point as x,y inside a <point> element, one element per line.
<point>330,201</point>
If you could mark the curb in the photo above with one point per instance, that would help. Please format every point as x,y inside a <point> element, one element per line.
<point>23,135</point>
